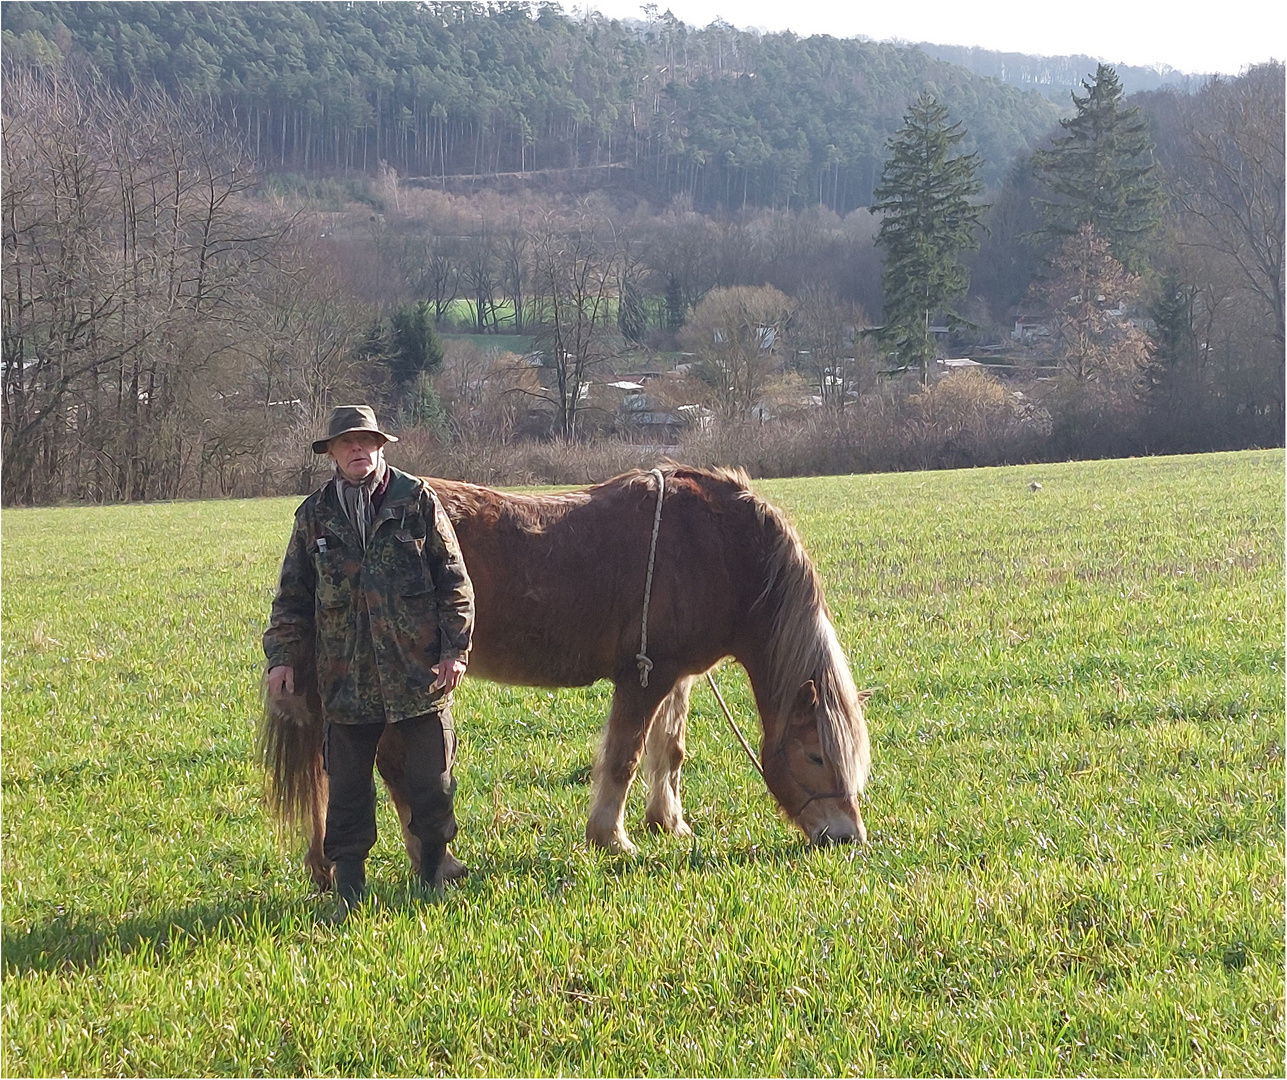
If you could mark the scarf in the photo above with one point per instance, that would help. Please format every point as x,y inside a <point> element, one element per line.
<point>356,498</point>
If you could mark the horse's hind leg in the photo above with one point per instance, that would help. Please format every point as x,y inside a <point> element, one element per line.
<point>632,711</point>
<point>319,866</point>
<point>663,756</point>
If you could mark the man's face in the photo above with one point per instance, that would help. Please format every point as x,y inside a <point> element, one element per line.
<point>356,454</point>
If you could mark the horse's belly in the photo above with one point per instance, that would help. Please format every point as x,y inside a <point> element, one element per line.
<point>515,655</point>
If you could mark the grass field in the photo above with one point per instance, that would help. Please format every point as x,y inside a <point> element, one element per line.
<point>515,343</point>
<point>1076,862</point>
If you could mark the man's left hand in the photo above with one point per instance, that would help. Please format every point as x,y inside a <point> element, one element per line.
<point>449,673</point>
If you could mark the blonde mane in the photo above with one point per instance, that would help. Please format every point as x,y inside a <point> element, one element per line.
<point>803,646</point>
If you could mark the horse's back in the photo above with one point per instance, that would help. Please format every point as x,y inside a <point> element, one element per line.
<point>559,579</point>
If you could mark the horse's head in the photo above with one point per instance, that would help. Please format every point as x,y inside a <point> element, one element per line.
<point>816,764</point>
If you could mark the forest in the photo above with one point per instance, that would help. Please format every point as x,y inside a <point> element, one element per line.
<point>725,116</point>
<point>549,248</point>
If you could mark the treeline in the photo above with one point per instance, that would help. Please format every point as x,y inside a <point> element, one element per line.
<point>729,118</point>
<point>159,331</point>
<point>1057,76</point>
<point>173,325</point>
<point>1147,238</point>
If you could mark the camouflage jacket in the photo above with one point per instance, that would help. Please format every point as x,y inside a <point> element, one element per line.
<point>378,620</point>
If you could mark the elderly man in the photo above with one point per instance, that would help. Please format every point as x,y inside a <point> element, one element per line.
<point>373,579</point>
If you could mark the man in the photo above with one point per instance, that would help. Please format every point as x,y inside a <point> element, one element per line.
<point>374,580</point>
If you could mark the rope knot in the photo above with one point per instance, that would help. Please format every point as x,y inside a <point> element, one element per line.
<point>644,665</point>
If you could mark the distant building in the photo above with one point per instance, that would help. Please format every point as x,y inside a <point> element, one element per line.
<point>1030,327</point>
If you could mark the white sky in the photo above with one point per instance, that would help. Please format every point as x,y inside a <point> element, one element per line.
<point>1221,36</point>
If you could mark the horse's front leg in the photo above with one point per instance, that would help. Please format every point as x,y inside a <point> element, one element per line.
<point>633,707</point>
<point>663,756</point>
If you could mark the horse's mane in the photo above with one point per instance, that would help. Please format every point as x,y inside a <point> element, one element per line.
<point>803,645</point>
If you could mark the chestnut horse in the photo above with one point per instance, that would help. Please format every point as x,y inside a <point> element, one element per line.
<point>559,588</point>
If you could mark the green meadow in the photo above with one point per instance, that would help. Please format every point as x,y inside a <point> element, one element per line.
<point>1076,863</point>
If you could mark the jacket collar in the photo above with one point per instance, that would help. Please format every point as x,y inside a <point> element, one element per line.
<point>403,492</point>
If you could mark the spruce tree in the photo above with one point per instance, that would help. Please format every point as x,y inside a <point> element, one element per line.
<point>928,220</point>
<point>1101,173</point>
<point>414,345</point>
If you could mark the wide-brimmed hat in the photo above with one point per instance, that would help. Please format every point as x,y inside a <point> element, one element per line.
<point>346,418</point>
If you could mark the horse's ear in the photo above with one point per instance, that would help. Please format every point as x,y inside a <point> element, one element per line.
<point>806,700</point>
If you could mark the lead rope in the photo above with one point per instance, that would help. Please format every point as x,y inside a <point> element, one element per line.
<point>733,724</point>
<point>641,657</point>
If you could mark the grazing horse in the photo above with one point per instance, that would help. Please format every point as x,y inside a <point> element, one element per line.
<point>559,585</point>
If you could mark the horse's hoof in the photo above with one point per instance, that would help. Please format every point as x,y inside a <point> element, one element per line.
<point>322,877</point>
<point>452,868</point>
<point>614,843</point>
<point>678,827</point>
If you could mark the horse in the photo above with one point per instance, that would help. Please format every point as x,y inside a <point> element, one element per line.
<point>559,584</point>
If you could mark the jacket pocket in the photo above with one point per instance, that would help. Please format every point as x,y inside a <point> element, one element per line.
<point>334,589</point>
<point>411,574</point>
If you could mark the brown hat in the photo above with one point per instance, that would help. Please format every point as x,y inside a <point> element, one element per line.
<point>346,418</point>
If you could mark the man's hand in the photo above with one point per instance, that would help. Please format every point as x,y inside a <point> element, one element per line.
<point>449,673</point>
<point>281,680</point>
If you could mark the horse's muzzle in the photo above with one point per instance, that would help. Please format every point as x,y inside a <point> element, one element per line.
<point>841,832</point>
<point>844,834</point>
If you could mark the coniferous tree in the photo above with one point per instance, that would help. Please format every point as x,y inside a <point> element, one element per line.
<point>1182,406</point>
<point>1101,173</point>
<point>928,220</point>
<point>414,345</point>
<point>1173,340</point>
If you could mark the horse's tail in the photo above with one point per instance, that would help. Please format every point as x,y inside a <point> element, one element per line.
<point>290,749</point>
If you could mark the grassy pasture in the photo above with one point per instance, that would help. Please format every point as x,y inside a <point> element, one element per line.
<point>1076,816</point>
<point>515,343</point>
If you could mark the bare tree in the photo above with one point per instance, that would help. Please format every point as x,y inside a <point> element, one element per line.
<point>1234,183</point>
<point>738,334</point>
<point>127,251</point>
<point>828,346</point>
<point>486,392</point>
<point>513,258</point>
<point>681,255</point>
<point>1088,293</point>
<point>478,273</point>
<point>576,269</point>
<point>306,358</point>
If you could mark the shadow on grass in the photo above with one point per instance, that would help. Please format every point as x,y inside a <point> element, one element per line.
<point>657,857</point>
<point>81,943</point>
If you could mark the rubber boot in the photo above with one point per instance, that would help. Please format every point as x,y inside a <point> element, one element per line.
<point>350,881</point>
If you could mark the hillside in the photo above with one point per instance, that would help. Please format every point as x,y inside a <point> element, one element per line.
<point>724,116</point>
<point>1055,76</point>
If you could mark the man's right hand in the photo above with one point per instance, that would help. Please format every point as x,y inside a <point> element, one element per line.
<point>281,680</point>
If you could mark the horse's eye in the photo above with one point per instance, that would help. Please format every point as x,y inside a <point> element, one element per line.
<point>815,759</point>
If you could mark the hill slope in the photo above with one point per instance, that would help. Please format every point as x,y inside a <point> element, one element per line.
<point>722,115</point>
